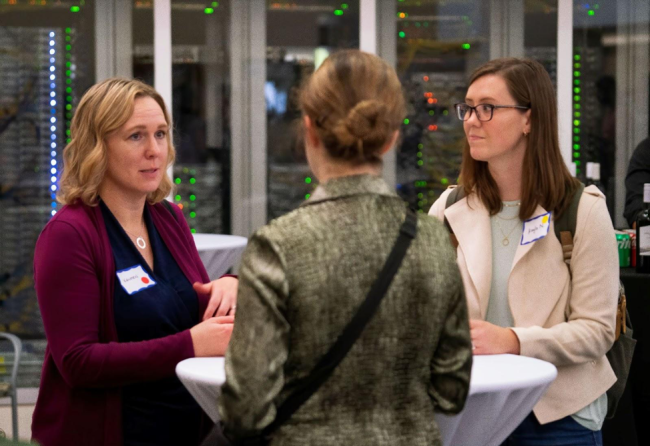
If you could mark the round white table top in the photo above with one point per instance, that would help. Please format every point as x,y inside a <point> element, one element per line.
<point>213,242</point>
<point>492,373</point>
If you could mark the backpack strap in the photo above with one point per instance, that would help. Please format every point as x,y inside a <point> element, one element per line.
<point>565,226</point>
<point>457,194</point>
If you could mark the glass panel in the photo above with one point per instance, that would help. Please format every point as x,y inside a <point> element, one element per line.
<point>201,96</point>
<point>540,34</point>
<point>300,34</point>
<point>47,61</point>
<point>439,43</point>
<point>142,32</point>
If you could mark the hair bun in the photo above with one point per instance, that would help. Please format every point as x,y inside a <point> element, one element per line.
<point>364,130</point>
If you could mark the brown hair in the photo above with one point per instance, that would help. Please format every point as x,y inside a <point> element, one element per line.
<point>104,108</point>
<point>545,181</point>
<point>355,102</point>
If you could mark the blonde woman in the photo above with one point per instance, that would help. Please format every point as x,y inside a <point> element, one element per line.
<point>120,285</point>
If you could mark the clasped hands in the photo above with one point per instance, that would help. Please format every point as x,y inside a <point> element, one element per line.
<point>211,337</point>
<point>490,339</point>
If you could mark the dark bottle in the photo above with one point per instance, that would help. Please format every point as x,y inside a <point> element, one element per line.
<point>643,234</point>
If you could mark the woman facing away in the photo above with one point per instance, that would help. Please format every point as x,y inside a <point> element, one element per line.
<point>305,275</point>
<point>121,288</point>
<point>522,297</point>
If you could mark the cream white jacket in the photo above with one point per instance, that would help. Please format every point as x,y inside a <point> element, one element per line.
<point>565,319</point>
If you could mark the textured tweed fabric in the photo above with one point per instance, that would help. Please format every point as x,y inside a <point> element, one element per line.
<point>303,277</point>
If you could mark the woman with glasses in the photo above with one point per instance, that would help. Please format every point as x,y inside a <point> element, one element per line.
<point>522,297</point>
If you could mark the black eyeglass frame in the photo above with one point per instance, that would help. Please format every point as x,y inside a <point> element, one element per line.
<point>492,107</point>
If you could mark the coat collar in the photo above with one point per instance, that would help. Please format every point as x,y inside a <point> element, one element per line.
<point>470,221</point>
<point>349,186</point>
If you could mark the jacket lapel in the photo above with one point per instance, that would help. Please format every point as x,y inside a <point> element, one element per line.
<point>470,221</point>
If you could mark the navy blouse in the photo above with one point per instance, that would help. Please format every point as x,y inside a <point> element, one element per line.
<point>161,303</point>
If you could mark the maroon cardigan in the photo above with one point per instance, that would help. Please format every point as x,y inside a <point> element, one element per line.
<point>79,401</point>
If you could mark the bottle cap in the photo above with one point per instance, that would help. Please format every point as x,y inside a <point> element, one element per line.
<point>646,192</point>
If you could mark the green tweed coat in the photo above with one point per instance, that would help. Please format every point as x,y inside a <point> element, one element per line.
<point>303,276</point>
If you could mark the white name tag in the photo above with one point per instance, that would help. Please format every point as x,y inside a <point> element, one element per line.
<point>135,279</point>
<point>536,228</point>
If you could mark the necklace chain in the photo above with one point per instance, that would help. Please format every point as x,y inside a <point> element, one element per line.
<point>506,240</point>
<point>139,240</point>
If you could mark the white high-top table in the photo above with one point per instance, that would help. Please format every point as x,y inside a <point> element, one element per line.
<point>219,252</point>
<point>503,391</point>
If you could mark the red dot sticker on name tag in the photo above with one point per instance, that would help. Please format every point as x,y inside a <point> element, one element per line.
<point>135,279</point>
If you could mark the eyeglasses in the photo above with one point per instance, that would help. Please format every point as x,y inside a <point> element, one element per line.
<point>484,112</point>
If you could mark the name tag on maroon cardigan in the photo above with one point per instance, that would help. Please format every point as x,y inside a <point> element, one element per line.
<point>135,279</point>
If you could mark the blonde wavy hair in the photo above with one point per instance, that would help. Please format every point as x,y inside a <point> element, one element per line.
<point>103,109</point>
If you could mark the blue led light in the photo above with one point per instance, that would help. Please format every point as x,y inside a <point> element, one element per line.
<point>52,119</point>
<point>53,136</point>
<point>52,77</point>
<point>53,212</point>
<point>53,179</point>
<point>53,170</point>
<point>53,128</point>
<point>51,33</point>
<point>52,103</point>
<point>54,204</point>
<point>52,51</point>
<point>52,93</point>
<point>53,187</point>
<point>53,162</point>
<point>52,153</point>
<point>52,60</point>
<point>51,42</point>
<point>53,145</point>
<point>51,68</point>
<point>53,196</point>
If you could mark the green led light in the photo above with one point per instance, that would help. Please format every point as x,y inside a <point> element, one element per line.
<point>68,30</point>
<point>577,57</point>
<point>68,107</point>
<point>402,34</point>
<point>68,141</point>
<point>576,138</point>
<point>67,132</point>
<point>419,154</point>
<point>338,12</point>
<point>344,6</point>
<point>576,90</point>
<point>68,64</point>
<point>193,231</point>
<point>75,9</point>
<point>576,154</point>
<point>308,180</point>
<point>445,112</point>
<point>444,181</point>
<point>177,198</point>
<point>307,196</point>
<point>576,114</point>
<point>577,163</point>
<point>576,98</point>
<point>591,12</point>
<point>68,98</point>
<point>208,11</point>
<point>420,146</point>
<point>576,122</point>
<point>420,163</point>
<point>192,197</point>
<point>177,181</point>
<point>417,24</point>
<point>68,89</point>
<point>576,106</point>
<point>466,46</point>
<point>185,170</point>
<point>420,203</point>
<point>215,4</point>
<point>406,121</point>
<point>576,130</point>
<point>192,214</point>
<point>68,47</point>
<point>577,65</point>
<point>68,38</point>
<point>420,195</point>
<point>192,180</point>
<point>576,146</point>
<point>68,73</point>
<point>431,113</point>
<point>67,55</point>
<point>68,115</point>
<point>576,81</point>
<point>596,6</point>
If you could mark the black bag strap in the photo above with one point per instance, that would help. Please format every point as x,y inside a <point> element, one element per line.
<point>328,363</point>
<point>565,226</point>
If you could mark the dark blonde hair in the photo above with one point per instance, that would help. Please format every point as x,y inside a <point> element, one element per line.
<point>103,109</point>
<point>545,181</point>
<point>355,103</point>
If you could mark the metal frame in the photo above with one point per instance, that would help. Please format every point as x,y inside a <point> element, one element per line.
<point>248,121</point>
<point>12,394</point>
<point>565,77</point>
<point>506,28</point>
<point>113,39</point>
<point>632,62</point>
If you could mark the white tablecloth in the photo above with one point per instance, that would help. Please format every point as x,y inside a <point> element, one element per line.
<point>219,252</point>
<point>503,391</point>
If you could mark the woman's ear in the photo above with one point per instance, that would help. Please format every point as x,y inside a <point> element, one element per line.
<point>527,123</point>
<point>311,137</point>
<point>391,142</point>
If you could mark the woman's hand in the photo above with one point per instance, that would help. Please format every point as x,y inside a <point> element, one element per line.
<point>490,339</point>
<point>223,296</point>
<point>211,337</point>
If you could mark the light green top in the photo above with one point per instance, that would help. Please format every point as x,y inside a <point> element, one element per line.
<point>507,226</point>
